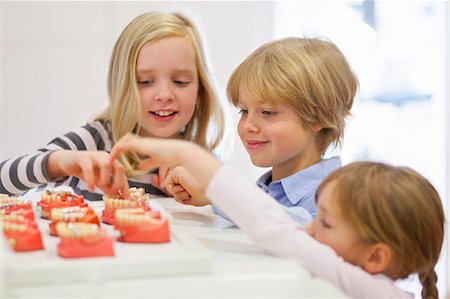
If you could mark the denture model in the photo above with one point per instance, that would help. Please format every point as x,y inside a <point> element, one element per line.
<point>22,234</point>
<point>138,198</point>
<point>139,226</point>
<point>72,214</point>
<point>8,201</point>
<point>58,199</point>
<point>79,239</point>
<point>16,206</point>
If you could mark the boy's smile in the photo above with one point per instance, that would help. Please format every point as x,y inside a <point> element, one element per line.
<point>255,144</point>
<point>274,136</point>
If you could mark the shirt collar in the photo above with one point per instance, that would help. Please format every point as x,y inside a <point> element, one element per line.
<point>308,178</point>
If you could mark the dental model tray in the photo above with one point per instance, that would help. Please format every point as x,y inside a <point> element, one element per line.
<point>182,255</point>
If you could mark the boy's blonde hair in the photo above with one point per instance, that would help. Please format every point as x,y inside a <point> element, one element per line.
<point>310,75</point>
<point>124,108</point>
<point>395,206</point>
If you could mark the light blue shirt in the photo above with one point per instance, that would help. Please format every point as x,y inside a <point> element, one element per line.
<point>297,192</point>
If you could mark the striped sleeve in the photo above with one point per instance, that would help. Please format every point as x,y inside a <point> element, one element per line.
<point>18,175</point>
<point>21,174</point>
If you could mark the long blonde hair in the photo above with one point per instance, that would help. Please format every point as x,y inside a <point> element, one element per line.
<point>395,206</point>
<point>206,126</point>
<point>310,75</point>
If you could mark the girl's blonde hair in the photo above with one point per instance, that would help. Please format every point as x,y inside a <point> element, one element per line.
<point>310,75</point>
<point>395,206</point>
<point>124,107</point>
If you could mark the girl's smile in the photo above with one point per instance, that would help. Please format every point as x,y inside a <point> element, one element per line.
<point>163,115</point>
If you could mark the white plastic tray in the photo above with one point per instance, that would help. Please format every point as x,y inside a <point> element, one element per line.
<point>182,255</point>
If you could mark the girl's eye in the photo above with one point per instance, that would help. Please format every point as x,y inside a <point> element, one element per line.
<point>243,111</point>
<point>325,223</point>
<point>181,82</point>
<point>145,82</point>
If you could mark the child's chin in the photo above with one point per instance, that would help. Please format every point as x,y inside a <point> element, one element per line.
<point>162,134</point>
<point>261,163</point>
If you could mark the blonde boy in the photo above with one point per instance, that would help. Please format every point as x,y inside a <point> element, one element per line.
<point>294,95</point>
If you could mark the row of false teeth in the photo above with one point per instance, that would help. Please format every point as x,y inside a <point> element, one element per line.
<point>132,217</point>
<point>135,194</point>
<point>76,230</point>
<point>12,226</point>
<point>68,214</point>
<point>12,216</point>
<point>119,203</point>
<point>16,212</point>
<point>7,201</point>
<point>50,195</point>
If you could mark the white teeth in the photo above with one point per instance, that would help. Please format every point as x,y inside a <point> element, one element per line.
<point>132,217</point>
<point>7,201</point>
<point>77,229</point>
<point>12,226</point>
<point>68,214</point>
<point>115,201</point>
<point>164,113</point>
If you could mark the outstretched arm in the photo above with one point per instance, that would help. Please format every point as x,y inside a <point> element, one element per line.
<point>257,214</point>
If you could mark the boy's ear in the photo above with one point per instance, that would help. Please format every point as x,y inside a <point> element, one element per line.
<point>316,128</point>
<point>378,259</point>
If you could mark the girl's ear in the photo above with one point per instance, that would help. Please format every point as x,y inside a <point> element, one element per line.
<point>378,259</point>
<point>198,101</point>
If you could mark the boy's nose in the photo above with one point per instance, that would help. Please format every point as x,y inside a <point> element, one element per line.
<point>249,125</point>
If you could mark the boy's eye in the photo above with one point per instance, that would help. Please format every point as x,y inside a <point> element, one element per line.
<point>268,113</point>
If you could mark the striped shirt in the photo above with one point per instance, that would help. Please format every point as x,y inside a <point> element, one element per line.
<point>19,175</point>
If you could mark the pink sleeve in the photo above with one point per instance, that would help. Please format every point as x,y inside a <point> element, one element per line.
<point>261,218</point>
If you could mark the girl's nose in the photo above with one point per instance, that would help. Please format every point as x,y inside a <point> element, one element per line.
<point>164,93</point>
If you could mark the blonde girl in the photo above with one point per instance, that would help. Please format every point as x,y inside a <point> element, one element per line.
<point>158,85</point>
<point>376,223</point>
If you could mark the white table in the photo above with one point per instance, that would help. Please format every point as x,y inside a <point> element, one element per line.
<point>238,269</point>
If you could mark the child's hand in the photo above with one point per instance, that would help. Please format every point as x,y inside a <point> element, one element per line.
<point>185,188</point>
<point>93,167</point>
<point>158,179</point>
<point>146,146</point>
<point>160,152</point>
<point>170,153</point>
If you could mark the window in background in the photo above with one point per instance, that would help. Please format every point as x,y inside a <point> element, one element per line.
<point>399,52</point>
